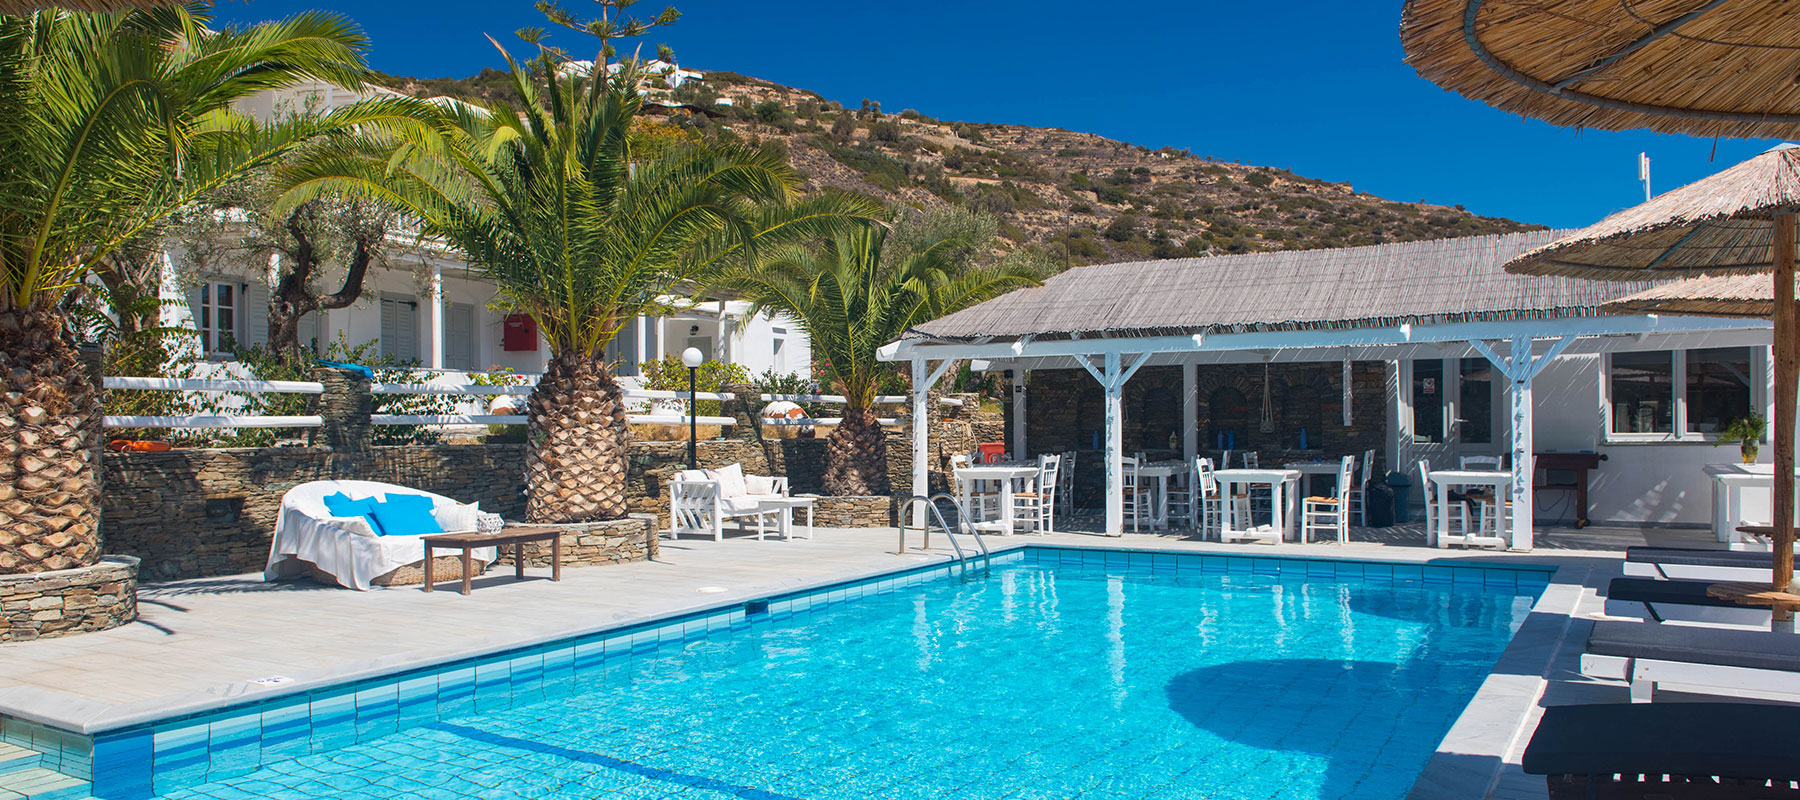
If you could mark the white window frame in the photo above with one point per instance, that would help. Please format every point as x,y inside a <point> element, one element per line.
<point>206,316</point>
<point>1759,399</point>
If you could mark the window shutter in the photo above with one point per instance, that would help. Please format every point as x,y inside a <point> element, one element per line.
<point>255,311</point>
<point>459,336</point>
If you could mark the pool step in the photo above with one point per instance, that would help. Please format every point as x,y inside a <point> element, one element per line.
<point>14,757</point>
<point>21,778</point>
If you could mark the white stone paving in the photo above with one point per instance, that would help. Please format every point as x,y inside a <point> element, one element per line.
<point>199,643</point>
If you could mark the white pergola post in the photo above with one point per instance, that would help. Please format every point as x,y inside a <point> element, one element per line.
<point>437,315</point>
<point>1020,452</point>
<point>1112,383</point>
<point>1520,367</point>
<point>1190,413</point>
<point>641,346</point>
<point>1349,392</point>
<point>923,378</point>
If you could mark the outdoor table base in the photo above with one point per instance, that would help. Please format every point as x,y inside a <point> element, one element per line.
<point>517,537</point>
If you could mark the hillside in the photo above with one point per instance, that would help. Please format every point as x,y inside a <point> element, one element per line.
<point>1083,197</point>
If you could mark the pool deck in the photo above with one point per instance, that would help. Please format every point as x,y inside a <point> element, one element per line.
<point>199,644</point>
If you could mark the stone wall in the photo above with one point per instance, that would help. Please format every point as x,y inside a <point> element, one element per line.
<point>191,513</point>
<point>92,598</point>
<point>1065,410</point>
<point>616,541</point>
<point>194,513</point>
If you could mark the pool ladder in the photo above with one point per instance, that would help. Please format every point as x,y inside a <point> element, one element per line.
<point>963,557</point>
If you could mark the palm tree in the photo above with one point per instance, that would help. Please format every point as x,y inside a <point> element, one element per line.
<point>584,228</point>
<point>853,296</point>
<point>109,123</point>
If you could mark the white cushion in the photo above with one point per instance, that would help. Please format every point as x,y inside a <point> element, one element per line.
<point>455,517</point>
<point>693,475</point>
<point>759,484</point>
<point>731,481</point>
<point>739,505</point>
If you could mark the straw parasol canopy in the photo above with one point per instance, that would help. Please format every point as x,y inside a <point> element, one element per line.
<point>1718,225</point>
<point>1738,230</point>
<point>1700,67</point>
<point>1706,296</point>
<point>19,8</point>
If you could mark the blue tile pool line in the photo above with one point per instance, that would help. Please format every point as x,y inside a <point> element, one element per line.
<point>156,758</point>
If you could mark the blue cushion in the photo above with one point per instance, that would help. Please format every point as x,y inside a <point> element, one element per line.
<point>402,515</point>
<point>340,505</point>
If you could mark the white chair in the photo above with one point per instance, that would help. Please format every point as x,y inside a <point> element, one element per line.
<point>1210,502</point>
<point>1037,503</point>
<point>701,500</point>
<point>1457,514</point>
<point>1488,507</point>
<point>1137,495</point>
<point>1330,513</point>
<point>1065,487</point>
<point>1178,499</point>
<point>1260,495</point>
<point>1358,495</point>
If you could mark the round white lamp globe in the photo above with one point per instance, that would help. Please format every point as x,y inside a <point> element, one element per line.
<point>692,357</point>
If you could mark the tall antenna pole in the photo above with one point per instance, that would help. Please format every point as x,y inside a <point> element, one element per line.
<point>1644,173</point>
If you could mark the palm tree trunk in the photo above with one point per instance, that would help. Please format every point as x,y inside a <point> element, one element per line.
<point>575,470</point>
<point>49,443</point>
<point>856,456</point>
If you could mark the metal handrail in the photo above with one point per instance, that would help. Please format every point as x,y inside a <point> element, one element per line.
<point>949,533</point>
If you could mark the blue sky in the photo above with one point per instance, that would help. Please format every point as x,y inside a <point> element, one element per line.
<point>1315,86</point>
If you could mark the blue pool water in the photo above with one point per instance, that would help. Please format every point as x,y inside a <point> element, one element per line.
<point>1042,680</point>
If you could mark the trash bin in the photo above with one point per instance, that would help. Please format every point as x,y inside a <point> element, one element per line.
<point>1379,499</point>
<point>1402,487</point>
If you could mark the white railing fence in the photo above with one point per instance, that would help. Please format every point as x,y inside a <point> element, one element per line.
<point>256,387</point>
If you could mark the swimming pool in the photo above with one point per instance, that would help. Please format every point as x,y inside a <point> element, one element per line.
<point>1063,673</point>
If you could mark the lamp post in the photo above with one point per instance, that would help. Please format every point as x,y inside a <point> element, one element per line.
<point>693,358</point>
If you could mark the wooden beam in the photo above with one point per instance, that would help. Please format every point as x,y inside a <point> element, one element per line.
<point>1656,33</point>
<point>1785,387</point>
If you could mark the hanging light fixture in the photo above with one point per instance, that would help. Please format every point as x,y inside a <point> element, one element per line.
<point>1267,423</point>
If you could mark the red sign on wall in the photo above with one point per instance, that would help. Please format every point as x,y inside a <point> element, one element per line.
<point>519,332</point>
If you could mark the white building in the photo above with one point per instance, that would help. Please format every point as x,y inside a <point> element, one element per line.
<point>1474,361</point>
<point>433,310</point>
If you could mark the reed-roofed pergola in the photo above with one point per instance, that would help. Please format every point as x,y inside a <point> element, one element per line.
<point>1443,298</point>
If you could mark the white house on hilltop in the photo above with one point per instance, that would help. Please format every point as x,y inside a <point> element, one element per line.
<point>433,310</point>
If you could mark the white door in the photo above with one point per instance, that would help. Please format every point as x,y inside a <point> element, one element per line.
<point>1449,410</point>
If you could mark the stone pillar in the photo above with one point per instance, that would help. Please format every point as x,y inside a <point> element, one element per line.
<point>746,407</point>
<point>345,408</point>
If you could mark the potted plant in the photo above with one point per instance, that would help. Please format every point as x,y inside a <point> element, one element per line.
<point>1747,432</point>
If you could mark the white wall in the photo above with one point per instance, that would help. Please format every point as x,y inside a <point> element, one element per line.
<point>1639,483</point>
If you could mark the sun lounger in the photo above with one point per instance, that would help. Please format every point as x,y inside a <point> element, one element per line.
<point>1684,563</point>
<point>1703,660</point>
<point>1678,601</point>
<point>1686,750</point>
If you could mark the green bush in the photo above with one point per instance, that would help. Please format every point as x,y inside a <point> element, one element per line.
<point>670,375</point>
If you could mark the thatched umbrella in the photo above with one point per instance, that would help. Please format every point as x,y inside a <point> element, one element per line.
<point>1700,67</point>
<point>1729,226</point>
<point>1706,296</point>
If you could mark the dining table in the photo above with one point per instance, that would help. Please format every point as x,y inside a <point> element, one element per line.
<point>1284,500</point>
<point>1499,480</point>
<point>1162,472</point>
<point>1007,476</point>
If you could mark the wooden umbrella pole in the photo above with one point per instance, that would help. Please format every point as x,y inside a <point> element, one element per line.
<point>1785,387</point>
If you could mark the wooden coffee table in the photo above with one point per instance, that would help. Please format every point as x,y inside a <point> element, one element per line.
<point>517,537</point>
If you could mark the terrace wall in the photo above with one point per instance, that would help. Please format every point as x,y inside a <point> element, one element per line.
<point>201,512</point>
